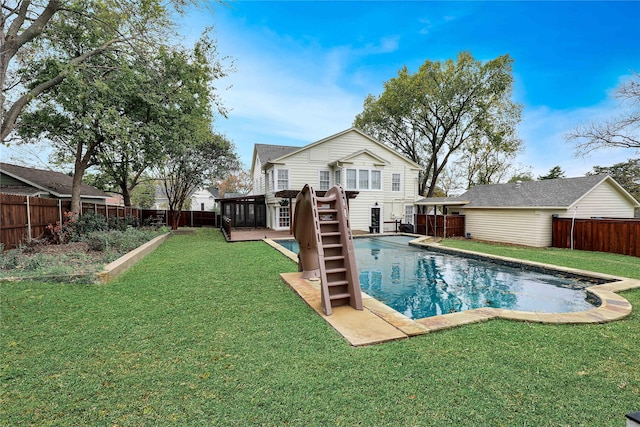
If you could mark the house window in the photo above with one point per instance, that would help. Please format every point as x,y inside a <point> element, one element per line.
<point>324,180</point>
<point>408,214</point>
<point>376,180</point>
<point>283,179</point>
<point>395,182</point>
<point>336,177</point>
<point>364,179</point>
<point>352,183</point>
<point>283,217</point>
<point>270,182</point>
<point>201,206</point>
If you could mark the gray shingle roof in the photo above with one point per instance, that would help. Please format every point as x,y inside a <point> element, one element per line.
<point>58,184</point>
<point>562,192</point>
<point>267,153</point>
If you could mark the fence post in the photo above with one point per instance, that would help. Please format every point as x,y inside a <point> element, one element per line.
<point>28,220</point>
<point>60,211</point>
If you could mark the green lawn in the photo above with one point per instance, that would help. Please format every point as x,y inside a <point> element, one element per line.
<point>202,332</point>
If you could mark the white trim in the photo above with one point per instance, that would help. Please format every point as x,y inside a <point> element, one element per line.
<point>399,190</point>
<point>320,180</point>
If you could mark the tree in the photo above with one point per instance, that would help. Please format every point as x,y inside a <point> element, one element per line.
<point>620,132</point>
<point>42,43</point>
<point>236,182</point>
<point>116,110</point>
<point>434,114</point>
<point>199,154</point>
<point>554,172</point>
<point>521,176</point>
<point>155,94</point>
<point>627,174</point>
<point>144,194</point>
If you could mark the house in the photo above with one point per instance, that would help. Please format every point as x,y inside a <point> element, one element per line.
<point>522,212</point>
<point>24,181</point>
<point>201,199</point>
<point>381,184</point>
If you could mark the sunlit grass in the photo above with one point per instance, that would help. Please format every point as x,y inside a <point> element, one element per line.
<point>202,332</point>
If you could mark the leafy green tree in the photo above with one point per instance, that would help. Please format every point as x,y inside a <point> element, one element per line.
<point>197,153</point>
<point>153,97</point>
<point>43,43</point>
<point>623,131</point>
<point>627,174</point>
<point>522,176</point>
<point>554,172</point>
<point>446,107</point>
<point>144,194</point>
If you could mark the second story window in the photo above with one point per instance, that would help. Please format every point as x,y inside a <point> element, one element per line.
<point>395,182</point>
<point>364,179</point>
<point>283,179</point>
<point>352,182</point>
<point>324,180</point>
<point>336,177</point>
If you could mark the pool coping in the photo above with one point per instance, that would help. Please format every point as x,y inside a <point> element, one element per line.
<point>378,323</point>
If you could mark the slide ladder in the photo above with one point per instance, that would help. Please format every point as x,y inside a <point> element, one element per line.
<point>328,252</point>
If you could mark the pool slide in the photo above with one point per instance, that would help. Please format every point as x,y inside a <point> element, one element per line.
<point>321,228</point>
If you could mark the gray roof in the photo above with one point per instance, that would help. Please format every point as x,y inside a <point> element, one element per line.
<point>561,192</point>
<point>56,183</point>
<point>267,153</point>
<point>548,193</point>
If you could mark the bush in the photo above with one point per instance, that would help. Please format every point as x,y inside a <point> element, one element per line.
<point>9,259</point>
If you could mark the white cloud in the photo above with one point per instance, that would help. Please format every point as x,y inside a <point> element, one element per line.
<point>543,131</point>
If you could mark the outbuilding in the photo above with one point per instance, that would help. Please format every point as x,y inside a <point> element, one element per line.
<point>522,212</point>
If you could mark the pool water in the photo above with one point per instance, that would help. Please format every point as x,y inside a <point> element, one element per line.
<point>420,283</point>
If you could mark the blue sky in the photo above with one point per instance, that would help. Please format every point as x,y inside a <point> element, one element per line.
<point>305,68</point>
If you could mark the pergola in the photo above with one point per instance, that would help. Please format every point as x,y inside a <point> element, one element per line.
<point>444,203</point>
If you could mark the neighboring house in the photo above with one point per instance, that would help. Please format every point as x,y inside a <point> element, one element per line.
<point>521,213</point>
<point>24,181</point>
<point>202,199</point>
<point>382,185</point>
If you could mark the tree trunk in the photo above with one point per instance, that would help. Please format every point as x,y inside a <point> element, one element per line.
<point>174,219</point>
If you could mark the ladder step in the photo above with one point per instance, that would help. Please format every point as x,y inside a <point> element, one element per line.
<point>326,199</point>
<point>322,211</point>
<point>333,258</point>
<point>336,270</point>
<point>329,222</point>
<point>332,245</point>
<point>338,283</point>
<point>339,296</point>
<point>330,233</point>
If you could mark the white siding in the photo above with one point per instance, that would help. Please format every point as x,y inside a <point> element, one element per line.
<point>304,165</point>
<point>517,226</point>
<point>603,201</point>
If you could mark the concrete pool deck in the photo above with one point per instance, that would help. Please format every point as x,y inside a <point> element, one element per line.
<point>378,323</point>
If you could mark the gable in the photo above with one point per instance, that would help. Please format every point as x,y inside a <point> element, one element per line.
<point>347,146</point>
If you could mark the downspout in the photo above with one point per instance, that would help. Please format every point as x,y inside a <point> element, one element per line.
<point>573,222</point>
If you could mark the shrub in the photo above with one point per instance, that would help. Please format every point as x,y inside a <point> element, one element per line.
<point>83,225</point>
<point>9,259</point>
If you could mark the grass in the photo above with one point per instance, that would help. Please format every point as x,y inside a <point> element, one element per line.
<point>618,265</point>
<point>202,332</point>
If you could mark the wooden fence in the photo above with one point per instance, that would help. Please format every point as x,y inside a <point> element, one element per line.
<point>620,236</point>
<point>23,218</point>
<point>436,225</point>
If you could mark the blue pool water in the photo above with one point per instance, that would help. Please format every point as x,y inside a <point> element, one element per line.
<point>421,283</point>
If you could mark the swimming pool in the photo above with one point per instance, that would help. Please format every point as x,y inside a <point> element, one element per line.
<point>421,283</point>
